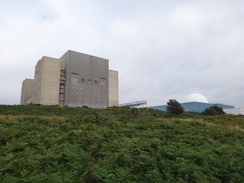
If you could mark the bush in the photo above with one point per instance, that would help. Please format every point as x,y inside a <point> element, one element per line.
<point>214,110</point>
<point>174,107</point>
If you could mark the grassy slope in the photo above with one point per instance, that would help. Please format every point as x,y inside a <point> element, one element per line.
<point>53,144</point>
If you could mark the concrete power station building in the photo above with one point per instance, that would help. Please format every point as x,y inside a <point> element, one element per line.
<point>74,80</point>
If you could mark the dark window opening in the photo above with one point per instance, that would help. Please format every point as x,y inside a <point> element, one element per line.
<point>74,73</point>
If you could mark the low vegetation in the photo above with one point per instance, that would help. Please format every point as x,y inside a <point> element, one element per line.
<point>214,110</point>
<point>60,144</point>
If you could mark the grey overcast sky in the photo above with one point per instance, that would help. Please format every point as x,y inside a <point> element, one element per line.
<point>163,49</point>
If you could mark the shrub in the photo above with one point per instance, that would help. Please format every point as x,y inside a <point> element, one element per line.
<point>214,110</point>
<point>174,107</point>
<point>60,107</point>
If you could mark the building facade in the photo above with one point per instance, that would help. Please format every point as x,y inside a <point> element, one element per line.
<point>235,111</point>
<point>113,88</point>
<point>74,80</point>
<point>46,81</point>
<point>194,106</point>
<point>27,90</point>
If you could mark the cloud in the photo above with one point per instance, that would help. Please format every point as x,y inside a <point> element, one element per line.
<point>161,49</point>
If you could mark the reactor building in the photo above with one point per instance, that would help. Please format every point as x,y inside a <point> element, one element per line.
<point>74,80</point>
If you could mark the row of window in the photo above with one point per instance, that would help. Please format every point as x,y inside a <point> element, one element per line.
<point>83,80</point>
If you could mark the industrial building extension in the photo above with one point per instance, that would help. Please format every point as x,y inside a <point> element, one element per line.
<point>194,106</point>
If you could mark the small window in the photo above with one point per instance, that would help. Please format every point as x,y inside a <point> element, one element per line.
<point>89,81</point>
<point>83,79</point>
<point>74,73</point>
<point>95,82</point>
<point>74,79</point>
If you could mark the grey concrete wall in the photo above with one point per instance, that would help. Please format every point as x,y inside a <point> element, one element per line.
<point>86,80</point>
<point>47,79</point>
<point>113,88</point>
<point>27,90</point>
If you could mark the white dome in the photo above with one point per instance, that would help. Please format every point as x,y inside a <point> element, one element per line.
<point>196,97</point>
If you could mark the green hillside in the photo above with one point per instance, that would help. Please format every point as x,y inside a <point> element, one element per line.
<point>60,144</point>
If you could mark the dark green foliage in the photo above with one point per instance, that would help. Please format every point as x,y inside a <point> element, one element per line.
<point>60,144</point>
<point>210,111</point>
<point>214,110</point>
<point>218,109</point>
<point>174,107</point>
